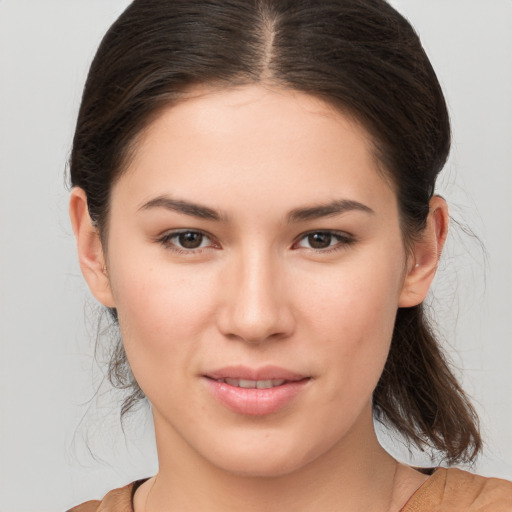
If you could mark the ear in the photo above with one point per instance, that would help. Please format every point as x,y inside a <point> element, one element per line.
<point>90,250</point>
<point>423,261</point>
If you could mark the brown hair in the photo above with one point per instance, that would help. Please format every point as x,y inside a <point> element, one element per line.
<point>359,55</point>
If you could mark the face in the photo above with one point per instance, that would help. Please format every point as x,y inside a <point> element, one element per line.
<point>256,263</point>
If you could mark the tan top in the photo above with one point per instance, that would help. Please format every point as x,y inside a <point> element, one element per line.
<point>454,490</point>
<point>447,490</point>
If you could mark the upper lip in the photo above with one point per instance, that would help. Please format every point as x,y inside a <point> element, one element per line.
<point>261,373</point>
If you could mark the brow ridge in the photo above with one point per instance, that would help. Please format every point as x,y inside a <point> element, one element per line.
<point>181,206</point>
<point>336,207</point>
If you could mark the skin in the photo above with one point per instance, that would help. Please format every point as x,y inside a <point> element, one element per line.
<point>256,292</point>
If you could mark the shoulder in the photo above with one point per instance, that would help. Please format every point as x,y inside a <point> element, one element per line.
<point>88,506</point>
<point>455,490</point>
<point>118,500</point>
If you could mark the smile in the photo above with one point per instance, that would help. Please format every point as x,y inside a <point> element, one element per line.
<point>253,384</point>
<point>255,391</point>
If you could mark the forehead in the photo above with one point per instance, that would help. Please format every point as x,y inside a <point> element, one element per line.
<point>264,142</point>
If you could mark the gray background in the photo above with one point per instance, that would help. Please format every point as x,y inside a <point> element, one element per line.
<point>59,443</point>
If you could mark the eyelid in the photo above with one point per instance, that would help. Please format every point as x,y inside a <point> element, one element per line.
<point>344,240</point>
<point>166,237</point>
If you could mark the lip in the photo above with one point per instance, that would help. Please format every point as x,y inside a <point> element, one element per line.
<point>262,373</point>
<point>253,401</point>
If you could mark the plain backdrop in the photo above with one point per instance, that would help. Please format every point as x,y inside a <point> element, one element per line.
<point>60,443</point>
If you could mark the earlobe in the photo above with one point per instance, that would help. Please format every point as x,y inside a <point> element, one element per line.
<point>425,255</point>
<point>90,250</point>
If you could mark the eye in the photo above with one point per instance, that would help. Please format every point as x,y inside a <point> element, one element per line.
<point>324,240</point>
<point>186,240</point>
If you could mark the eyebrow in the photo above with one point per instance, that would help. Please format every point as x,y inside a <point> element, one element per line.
<point>185,207</point>
<point>331,209</point>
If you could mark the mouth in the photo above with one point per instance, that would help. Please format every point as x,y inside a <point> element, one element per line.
<point>256,392</point>
<point>253,384</point>
<point>249,377</point>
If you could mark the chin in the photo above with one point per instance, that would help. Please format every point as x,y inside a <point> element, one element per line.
<point>260,466</point>
<point>268,457</point>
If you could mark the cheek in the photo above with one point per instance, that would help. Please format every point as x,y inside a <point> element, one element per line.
<point>163,311</point>
<point>353,311</point>
<point>360,296</point>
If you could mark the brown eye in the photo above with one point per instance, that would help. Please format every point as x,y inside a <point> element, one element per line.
<point>319,240</point>
<point>325,241</point>
<point>187,241</point>
<point>190,239</point>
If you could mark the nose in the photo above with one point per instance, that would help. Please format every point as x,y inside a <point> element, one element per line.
<point>256,305</point>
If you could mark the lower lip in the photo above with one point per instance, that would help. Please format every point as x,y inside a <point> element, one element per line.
<point>256,402</point>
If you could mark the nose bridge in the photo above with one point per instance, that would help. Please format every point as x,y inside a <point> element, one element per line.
<point>256,307</point>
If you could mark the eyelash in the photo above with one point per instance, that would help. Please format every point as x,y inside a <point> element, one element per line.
<point>166,241</point>
<point>343,240</point>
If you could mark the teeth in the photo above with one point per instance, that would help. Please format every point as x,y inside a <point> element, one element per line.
<point>249,384</point>
<point>253,384</point>
<point>265,384</point>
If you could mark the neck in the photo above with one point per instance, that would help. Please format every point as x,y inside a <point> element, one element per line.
<point>356,473</point>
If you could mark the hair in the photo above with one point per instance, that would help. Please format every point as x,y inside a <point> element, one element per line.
<point>360,56</point>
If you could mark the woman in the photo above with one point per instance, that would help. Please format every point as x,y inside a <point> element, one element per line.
<point>254,202</point>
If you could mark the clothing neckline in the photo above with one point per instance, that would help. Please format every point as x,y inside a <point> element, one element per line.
<point>427,471</point>
<point>433,475</point>
<point>135,486</point>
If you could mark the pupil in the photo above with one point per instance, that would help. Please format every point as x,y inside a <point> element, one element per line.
<point>319,240</point>
<point>190,240</point>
